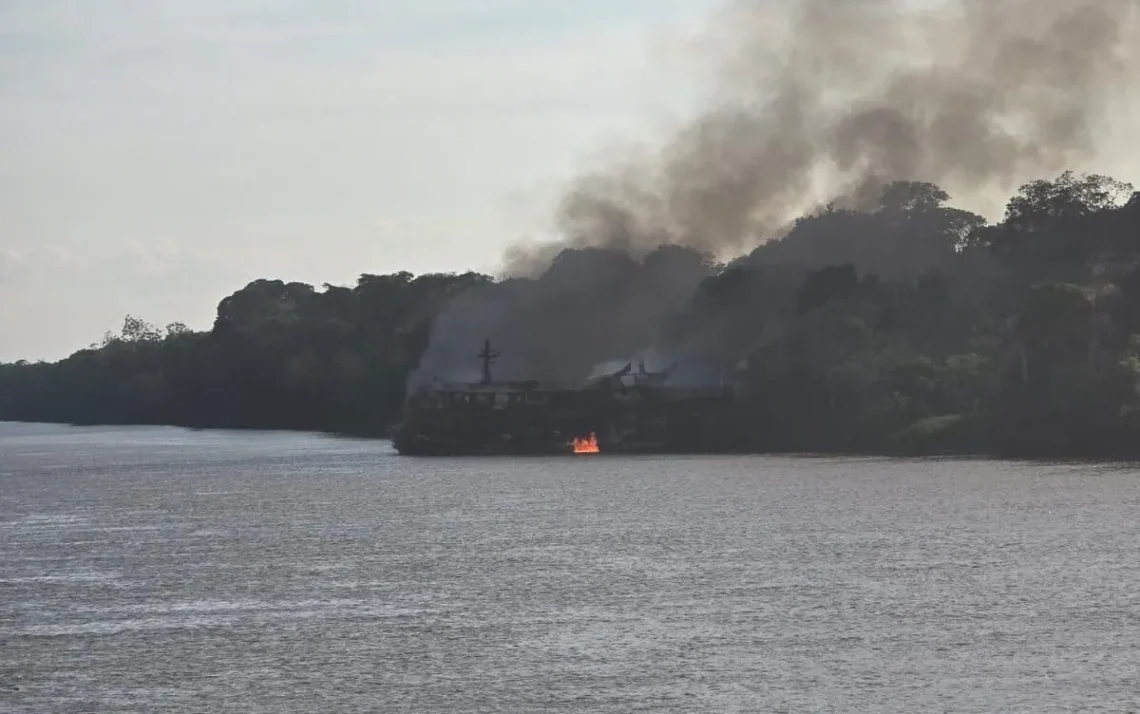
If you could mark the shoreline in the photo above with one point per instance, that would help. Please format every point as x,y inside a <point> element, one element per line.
<point>900,455</point>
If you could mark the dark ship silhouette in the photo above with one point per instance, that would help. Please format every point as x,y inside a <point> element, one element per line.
<point>625,411</point>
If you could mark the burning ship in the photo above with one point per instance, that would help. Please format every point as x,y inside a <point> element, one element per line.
<point>625,411</point>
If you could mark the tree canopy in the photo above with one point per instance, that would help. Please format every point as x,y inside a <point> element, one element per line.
<point>908,327</point>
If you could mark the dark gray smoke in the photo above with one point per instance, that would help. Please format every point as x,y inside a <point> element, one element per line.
<point>590,306</point>
<point>829,99</point>
<point>817,101</point>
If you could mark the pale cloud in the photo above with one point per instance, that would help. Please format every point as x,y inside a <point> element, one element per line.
<point>226,140</point>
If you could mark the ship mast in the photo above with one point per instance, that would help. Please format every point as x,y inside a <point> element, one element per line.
<point>488,356</point>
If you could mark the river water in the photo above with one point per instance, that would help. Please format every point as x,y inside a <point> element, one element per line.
<point>161,570</point>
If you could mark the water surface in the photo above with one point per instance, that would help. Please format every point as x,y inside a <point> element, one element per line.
<point>162,570</point>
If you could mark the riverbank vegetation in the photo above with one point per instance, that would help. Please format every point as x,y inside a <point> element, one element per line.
<point>908,326</point>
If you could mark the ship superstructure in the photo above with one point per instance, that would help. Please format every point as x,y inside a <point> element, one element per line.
<point>620,412</point>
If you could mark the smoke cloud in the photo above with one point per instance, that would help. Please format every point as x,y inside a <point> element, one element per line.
<point>588,307</point>
<point>822,100</point>
<point>815,101</point>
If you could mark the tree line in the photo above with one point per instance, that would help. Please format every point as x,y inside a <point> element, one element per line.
<point>908,326</point>
<point>279,356</point>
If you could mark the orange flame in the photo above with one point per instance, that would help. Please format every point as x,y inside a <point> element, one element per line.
<point>589,445</point>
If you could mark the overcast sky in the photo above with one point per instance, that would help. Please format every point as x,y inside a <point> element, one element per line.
<point>159,154</point>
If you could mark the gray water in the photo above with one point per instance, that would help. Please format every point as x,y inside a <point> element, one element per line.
<point>160,570</point>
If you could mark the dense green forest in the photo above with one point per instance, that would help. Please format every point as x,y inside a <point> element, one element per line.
<point>279,356</point>
<point>905,327</point>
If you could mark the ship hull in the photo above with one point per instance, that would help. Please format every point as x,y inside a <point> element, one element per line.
<point>423,445</point>
<point>506,420</point>
<point>411,441</point>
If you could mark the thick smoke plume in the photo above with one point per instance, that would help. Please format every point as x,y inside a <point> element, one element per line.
<point>817,101</point>
<point>829,99</point>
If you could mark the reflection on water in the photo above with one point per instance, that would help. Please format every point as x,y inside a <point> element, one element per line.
<point>162,570</point>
